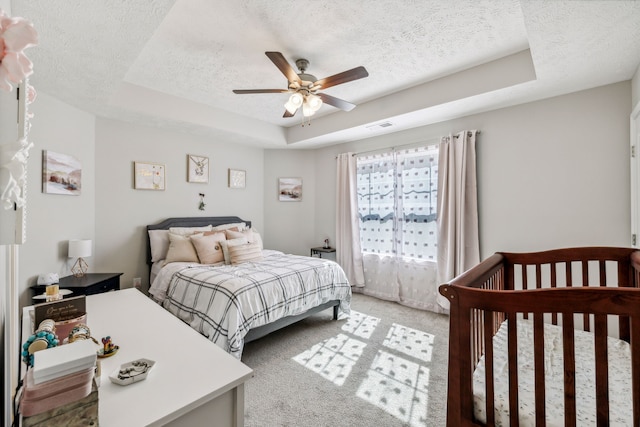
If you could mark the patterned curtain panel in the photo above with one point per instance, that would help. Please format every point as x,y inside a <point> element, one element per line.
<point>397,203</point>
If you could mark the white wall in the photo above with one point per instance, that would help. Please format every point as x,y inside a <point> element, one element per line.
<point>291,225</point>
<point>54,219</point>
<point>635,88</point>
<point>123,212</point>
<point>552,173</point>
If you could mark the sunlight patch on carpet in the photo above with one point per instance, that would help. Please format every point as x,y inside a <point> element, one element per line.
<point>332,359</point>
<point>397,386</point>
<point>361,325</point>
<point>411,342</point>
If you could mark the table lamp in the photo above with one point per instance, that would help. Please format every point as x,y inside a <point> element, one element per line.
<point>79,249</point>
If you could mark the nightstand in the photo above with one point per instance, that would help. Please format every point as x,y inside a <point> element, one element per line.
<point>89,284</point>
<point>321,250</point>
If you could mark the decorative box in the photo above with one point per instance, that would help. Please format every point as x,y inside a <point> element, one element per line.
<point>38,398</point>
<point>67,359</point>
<point>80,412</point>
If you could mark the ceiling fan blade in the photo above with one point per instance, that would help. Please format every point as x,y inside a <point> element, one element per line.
<point>245,91</point>
<point>278,59</point>
<point>336,102</point>
<point>288,114</point>
<point>344,77</point>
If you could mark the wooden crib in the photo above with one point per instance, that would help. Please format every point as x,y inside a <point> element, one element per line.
<point>593,289</point>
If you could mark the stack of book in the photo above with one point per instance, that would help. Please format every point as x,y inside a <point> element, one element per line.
<point>60,375</point>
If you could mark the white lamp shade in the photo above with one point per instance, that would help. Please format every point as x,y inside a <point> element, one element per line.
<point>295,101</point>
<point>79,248</point>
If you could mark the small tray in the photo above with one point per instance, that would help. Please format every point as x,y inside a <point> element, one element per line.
<point>60,292</point>
<point>131,372</point>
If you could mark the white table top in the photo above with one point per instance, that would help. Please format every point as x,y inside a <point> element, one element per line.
<point>189,371</point>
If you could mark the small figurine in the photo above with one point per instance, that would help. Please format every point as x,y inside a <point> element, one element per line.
<point>108,348</point>
<point>326,243</point>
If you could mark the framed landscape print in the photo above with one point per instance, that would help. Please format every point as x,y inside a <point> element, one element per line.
<point>197,169</point>
<point>149,176</point>
<point>61,174</point>
<point>290,189</point>
<point>237,178</point>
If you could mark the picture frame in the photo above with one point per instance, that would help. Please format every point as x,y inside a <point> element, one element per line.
<point>237,178</point>
<point>290,189</point>
<point>197,169</point>
<point>61,174</point>
<point>149,176</point>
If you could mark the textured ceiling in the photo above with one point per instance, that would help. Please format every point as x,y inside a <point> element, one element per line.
<point>174,63</point>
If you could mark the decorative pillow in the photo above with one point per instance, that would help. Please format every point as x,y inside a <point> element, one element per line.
<point>159,242</point>
<point>238,225</point>
<point>208,246</point>
<point>226,244</point>
<point>250,234</point>
<point>248,252</point>
<point>235,234</point>
<point>181,249</point>
<point>188,231</point>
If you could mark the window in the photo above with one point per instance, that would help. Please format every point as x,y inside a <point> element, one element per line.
<point>397,203</point>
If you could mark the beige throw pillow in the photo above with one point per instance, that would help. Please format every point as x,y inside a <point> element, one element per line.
<point>248,252</point>
<point>250,234</point>
<point>208,246</point>
<point>181,249</point>
<point>226,244</point>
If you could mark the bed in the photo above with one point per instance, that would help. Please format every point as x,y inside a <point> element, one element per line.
<point>240,291</point>
<point>546,338</point>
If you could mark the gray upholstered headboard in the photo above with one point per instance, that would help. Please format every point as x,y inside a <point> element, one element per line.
<point>196,221</point>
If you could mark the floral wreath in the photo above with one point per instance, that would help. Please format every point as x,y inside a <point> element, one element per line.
<point>16,34</point>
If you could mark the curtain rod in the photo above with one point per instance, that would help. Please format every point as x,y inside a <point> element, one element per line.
<point>428,142</point>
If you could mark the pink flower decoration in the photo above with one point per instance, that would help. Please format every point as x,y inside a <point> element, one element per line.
<point>16,34</point>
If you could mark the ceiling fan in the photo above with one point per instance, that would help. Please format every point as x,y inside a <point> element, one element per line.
<point>305,88</point>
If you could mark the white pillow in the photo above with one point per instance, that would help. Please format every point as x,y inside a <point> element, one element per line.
<point>188,231</point>
<point>248,252</point>
<point>208,246</point>
<point>181,249</point>
<point>239,225</point>
<point>231,242</point>
<point>159,242</point>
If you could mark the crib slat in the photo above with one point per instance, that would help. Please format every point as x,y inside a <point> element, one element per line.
<point>554,283</point>
<point>488,366</point>
<point>568,351</point>
<point>586,324</point>
<point>635,369</point>
<point>602,369</point>
<point>538,360</point>
<point>512,351</point>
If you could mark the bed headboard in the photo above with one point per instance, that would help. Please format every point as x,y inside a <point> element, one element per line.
<point>195,221</point>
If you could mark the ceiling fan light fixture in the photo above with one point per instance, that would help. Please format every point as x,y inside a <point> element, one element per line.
<point>294,102</point>
<point>306,110</point>
<point>314,102</point>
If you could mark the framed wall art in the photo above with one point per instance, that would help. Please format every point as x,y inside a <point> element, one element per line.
<point>237,178</point>
<point>197,169</point>
<point>149,176</point>
<point>290,189</point>
<point>61,174</point>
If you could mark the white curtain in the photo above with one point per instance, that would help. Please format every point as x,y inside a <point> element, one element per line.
<point>397,203</point>
<point>458,241</point>
<point>348,250</point>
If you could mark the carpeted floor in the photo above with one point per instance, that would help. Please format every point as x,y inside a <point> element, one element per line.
<point>384,366</point>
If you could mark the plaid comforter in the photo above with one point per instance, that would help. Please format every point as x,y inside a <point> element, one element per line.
<point>224,302</point>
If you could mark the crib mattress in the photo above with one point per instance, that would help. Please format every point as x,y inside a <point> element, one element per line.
<point>620,395</point>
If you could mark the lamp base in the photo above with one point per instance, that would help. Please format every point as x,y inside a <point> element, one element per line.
<point>80,268</point>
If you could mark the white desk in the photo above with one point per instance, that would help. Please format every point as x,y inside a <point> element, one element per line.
<point>193,382</point>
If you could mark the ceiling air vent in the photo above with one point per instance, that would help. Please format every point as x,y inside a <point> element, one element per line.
<point>378,126</point>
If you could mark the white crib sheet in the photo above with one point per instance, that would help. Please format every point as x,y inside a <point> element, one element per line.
<point>620,404</point>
